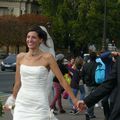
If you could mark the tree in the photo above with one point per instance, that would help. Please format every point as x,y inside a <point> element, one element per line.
<point>92,19</point>
<point>13,29</point>
<point>81,21</point>
<point>63,16</point>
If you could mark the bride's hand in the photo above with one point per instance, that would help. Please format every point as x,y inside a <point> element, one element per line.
<point>7,108</point>
<point>9,104</point>
<point>81,106</point>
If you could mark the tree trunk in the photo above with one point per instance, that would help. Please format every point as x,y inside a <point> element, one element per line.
<point>17,49</point>
<point>7,49</point>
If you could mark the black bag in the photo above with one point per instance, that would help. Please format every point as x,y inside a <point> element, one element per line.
<point>89,73</point>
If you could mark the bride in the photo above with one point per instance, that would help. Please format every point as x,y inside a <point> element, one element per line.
<point>31,79</point>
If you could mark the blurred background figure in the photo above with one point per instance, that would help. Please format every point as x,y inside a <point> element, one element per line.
<point>58,89</point>
<point>88,76</point>
<point>76,77</point>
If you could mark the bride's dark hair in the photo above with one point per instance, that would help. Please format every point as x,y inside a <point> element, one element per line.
<point>41,33</point>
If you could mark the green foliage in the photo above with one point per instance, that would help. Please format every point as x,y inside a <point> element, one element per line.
<point>49,7</point>
<point>81,21</point>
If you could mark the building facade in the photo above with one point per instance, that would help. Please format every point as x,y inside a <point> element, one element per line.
<point>19,7</point>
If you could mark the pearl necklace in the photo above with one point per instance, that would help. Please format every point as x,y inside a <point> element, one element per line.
<point>34,54</point>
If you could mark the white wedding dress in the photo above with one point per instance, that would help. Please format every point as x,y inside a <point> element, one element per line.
<point>32,99</point>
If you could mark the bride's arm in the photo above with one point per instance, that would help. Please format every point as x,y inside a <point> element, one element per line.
<point>17,76</point>
<point>10,102</point>
<point>54,67</point>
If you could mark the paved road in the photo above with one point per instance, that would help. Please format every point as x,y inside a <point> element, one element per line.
<point>6,81</point>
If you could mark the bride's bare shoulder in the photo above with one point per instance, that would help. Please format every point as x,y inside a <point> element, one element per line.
<point>21,55</point>
<point>48,56</point>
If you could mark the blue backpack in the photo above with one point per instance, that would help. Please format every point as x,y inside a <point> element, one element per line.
<point>100,71</point>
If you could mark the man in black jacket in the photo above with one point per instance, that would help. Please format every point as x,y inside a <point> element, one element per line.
<point>88,76</point>
<point>106,88</point>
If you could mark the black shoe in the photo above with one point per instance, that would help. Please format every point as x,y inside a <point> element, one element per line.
<point>87,117</point>
<point>74,112</point>
<point>55,112</point>
<point>93,116</point>
<point>71,112</point>
<point>62,111</point>
<point>55,108</point>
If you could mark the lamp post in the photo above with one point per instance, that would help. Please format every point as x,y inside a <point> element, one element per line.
<point>69,44</point>
<point>104,27</point>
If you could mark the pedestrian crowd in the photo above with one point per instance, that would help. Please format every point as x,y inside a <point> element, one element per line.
<point>82,74</point>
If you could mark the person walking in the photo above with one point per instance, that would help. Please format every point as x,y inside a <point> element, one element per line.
<point>106,57</point>
<point>110,86</point>
<point>75,79</point>
<point>58,89</point>
<point>32,68</point>
<point>88,76</point>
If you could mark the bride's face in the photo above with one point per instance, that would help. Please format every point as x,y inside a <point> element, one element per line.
<point>32,40</point>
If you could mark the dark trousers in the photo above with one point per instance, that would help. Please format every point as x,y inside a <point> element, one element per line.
<point>106,107</point>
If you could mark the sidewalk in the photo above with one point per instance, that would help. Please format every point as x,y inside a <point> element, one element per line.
<point>66,116</point>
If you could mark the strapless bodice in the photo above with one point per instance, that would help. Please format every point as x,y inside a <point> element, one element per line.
<point>33,77</point>
<point>32,98</point>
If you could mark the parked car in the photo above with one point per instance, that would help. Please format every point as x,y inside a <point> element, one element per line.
<point>9,63</point>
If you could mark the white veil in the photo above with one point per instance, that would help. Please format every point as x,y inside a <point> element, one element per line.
<point>50,49</point>
<point>49,42</point>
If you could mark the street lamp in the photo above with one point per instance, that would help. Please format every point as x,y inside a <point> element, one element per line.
<point>69,44</point>
<point>104,27</point>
